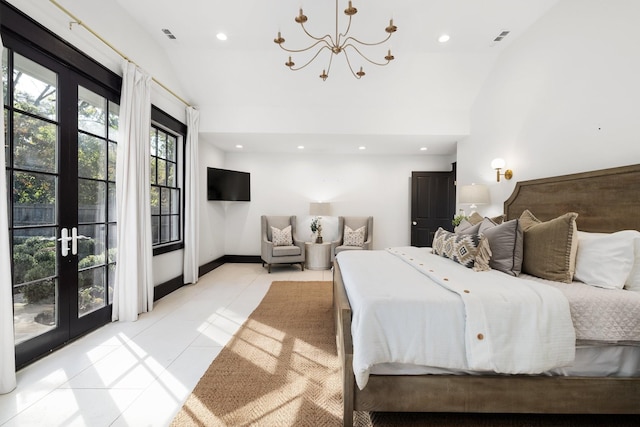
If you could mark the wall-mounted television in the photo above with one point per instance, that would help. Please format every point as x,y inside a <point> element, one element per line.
<point>224,184</point>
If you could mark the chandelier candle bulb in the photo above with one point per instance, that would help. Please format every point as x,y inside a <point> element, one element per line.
<point>301,19</point>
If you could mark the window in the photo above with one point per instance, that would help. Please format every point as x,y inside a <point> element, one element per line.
<point>167,168</point>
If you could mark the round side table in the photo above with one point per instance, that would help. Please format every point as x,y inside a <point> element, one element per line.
<point>317,256</point>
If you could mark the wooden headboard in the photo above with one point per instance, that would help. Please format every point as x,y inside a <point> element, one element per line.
<point>606,200</point>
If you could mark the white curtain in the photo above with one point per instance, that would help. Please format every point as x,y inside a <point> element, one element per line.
<point>191,192</point>
<point>7,346</point>
<point>133,290</point>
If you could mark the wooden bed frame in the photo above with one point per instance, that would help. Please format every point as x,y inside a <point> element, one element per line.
<point>606,201</point>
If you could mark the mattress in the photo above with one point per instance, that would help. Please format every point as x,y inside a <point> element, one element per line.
<point>592,360</point>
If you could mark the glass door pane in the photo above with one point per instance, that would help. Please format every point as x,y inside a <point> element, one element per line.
<point>34,183</point>
<point>96,200</point>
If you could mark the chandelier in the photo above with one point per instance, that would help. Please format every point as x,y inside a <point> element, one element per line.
<point>339,43</point>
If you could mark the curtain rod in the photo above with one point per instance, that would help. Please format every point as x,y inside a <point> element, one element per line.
<point>77,21</point>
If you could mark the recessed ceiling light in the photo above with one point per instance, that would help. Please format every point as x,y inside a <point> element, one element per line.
<point>300,147</point>
<point>221,36</point>
<point>362,147</point>
<point>423,148</point>
<point>444,38</point>
<point>238,146</point>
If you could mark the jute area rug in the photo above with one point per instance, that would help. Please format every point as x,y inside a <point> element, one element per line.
<point>281,369</point>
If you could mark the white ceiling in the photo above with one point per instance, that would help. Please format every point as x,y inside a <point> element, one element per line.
<point>247,96</point>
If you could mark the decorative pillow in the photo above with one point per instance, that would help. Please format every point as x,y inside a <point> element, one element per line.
<point>605,260</point>
<point>281,237</point>
<point>506,243</point>
<point>475,218</point>
<point>498,219</point>
<point>465,227</point>
<point>353,237</point>
<point>470,250</point>
<point>550,247</point>
<point>633,282</point>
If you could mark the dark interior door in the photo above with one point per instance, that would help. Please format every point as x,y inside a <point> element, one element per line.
<point>433,203</point>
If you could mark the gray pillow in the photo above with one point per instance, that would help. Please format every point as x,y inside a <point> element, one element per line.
<point>466,227</point>
<point>506,244</point>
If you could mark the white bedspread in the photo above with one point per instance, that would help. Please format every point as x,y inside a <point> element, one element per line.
<point>410,306</point>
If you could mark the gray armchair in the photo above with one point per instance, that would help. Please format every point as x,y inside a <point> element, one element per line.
<point>288,254</point>
<point>354,222</point>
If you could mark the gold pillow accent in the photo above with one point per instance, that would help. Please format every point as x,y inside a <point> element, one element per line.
<point>475,218</point>
<point>550,247</point>
<point>497,220</point>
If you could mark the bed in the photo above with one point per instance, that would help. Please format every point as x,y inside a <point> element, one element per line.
<point>606,201</point>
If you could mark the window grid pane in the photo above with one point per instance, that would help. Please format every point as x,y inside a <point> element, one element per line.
<point>165,192</point>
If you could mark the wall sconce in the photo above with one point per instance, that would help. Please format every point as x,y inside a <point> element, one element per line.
<point>474,195</point>
<point>498,164</point>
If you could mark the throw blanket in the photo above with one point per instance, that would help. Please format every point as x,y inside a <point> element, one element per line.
<point>410,306</point>
<point>601,315</point>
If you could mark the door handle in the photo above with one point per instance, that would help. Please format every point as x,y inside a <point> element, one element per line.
<point>64,241</point>
<point>414,223</point>
<point>74,241</point>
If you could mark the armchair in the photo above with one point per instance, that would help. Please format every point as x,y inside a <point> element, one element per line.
<point>288,252</point>
<point>354,223</point>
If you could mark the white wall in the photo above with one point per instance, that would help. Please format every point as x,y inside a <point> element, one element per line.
<point>285,184</point>
<point>563,98</point>
<point>212,214</point>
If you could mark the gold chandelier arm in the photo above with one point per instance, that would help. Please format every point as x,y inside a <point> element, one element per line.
<point>363,43</point>
<point>327,46</point>
<point>350,67</point>
<point>311,60</point>
<point>326,73</point>
<point>362,55</point>
<point>326,36</point>
<point>339,36</point>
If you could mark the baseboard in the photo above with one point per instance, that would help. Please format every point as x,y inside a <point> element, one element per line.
<point>249,259</point>
<point>164,289</point>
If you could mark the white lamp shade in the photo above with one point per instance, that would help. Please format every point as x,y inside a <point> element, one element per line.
<point>319,208</point>
<point>498,163</point>
<point>474,194</point>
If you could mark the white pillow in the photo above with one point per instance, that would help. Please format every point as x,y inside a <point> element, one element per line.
<point>605,260</point>
<point>353,237</point>
<point>633,282</point>
<point>281,237</point>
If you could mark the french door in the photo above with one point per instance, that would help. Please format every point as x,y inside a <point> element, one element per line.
<point>61,129</point>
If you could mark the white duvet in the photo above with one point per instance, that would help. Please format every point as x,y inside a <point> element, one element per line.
<point>410,306</point>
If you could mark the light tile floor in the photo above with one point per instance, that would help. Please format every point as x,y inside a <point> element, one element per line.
<point>139,373</point>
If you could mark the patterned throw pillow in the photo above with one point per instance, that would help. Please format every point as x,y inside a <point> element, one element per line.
<point>353,237</point>
<point>470,250</point>
<point>281,237</point>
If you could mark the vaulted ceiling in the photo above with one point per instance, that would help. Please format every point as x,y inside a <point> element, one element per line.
<point>247,95</point>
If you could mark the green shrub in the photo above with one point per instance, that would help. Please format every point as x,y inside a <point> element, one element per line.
<point>40,293</point>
